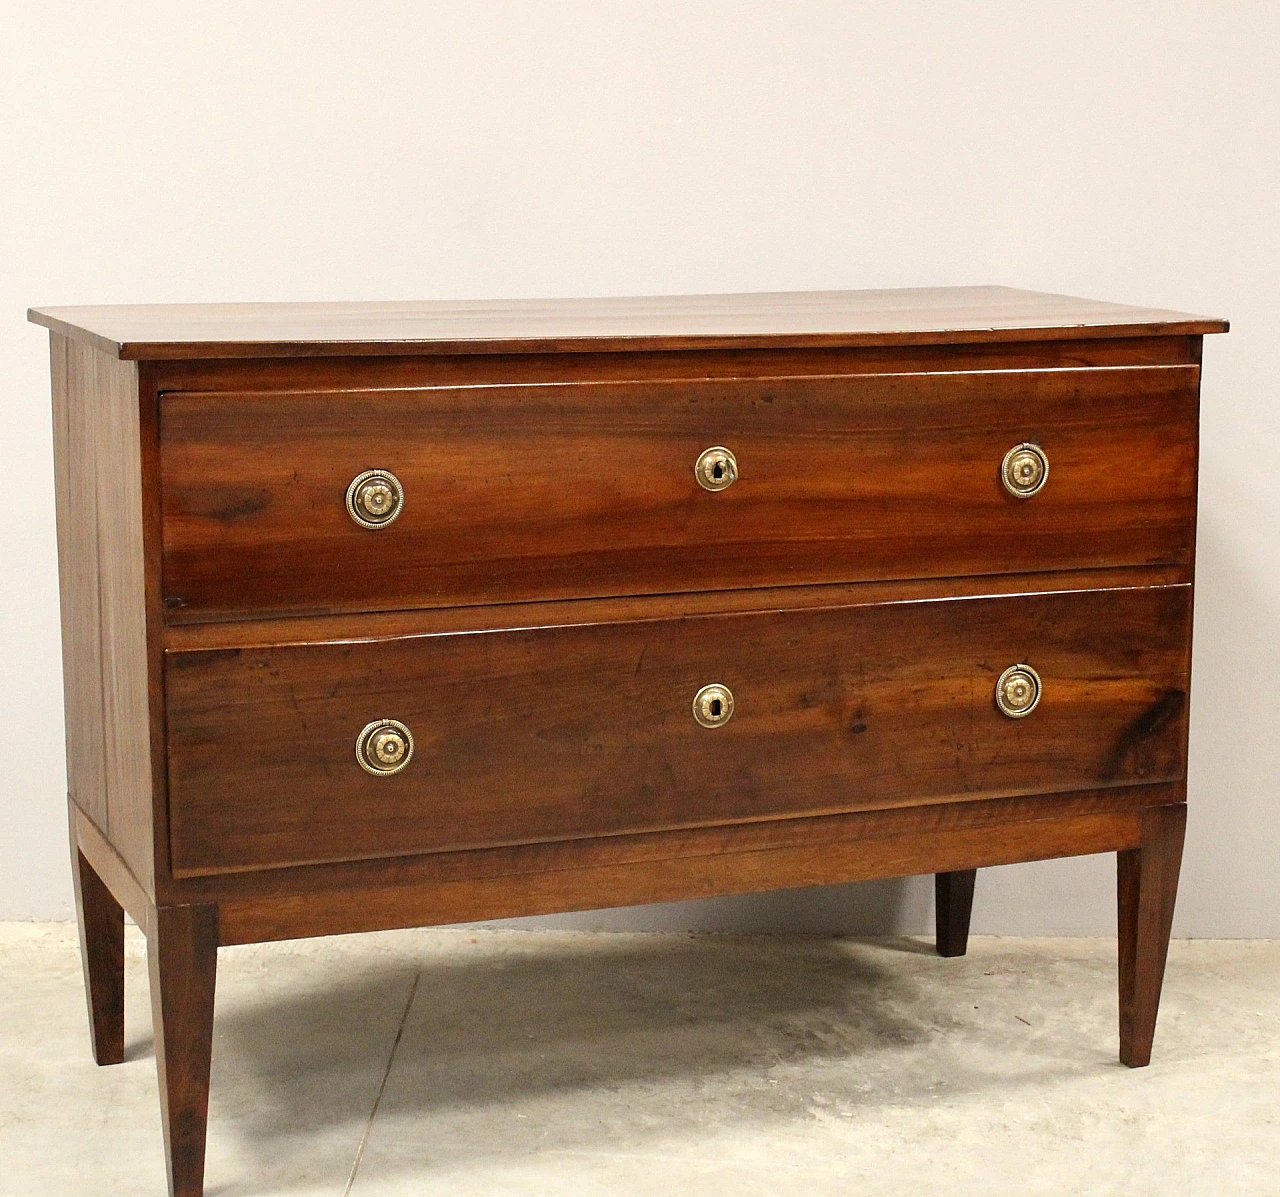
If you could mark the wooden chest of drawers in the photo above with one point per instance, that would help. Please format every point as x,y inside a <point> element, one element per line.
<point>401,614</point>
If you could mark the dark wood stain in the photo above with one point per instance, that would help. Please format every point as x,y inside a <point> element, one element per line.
<point>225,504</point>
<point>520,493</point>
<point>106,667</point>
<point>1146,890</point>
<point>601,749</point>
<point>1130,751</point>
<point>558,587</point>
<point>101,924</point>
<point>795,319</point>
<point>953,902</point>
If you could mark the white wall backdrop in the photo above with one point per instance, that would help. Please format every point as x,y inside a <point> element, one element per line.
<point>320,149</point>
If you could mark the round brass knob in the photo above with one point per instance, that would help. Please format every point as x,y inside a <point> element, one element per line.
<point>1025,470</point>
<point>384,747</point>
<point>717,468</point>
<point>713,705</point>
<point>375,498</point>
<point>1018,691</point>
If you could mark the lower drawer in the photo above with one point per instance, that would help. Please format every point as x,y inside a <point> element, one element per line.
<point>565,732</point>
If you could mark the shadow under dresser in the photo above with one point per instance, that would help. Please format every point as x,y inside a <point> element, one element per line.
<point>387,615</point>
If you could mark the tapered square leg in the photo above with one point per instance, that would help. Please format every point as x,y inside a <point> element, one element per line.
<point>101,921</point>
<point>1147,885</point>
<point>953,902</point>
<point>182,951</point>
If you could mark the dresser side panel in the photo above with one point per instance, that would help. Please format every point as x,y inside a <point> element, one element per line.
<point>122,587</point>
<point>75,477</point>
<point>98,453</point>
<point>1197,350</point>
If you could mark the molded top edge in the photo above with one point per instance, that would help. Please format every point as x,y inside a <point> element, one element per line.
<point>785,319</point>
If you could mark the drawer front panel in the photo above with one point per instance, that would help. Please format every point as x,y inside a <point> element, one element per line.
<point>516,493</point>
<point>580,731</point>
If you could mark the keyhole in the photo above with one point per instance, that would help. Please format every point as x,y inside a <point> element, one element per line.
<point>717,471</point>
<point>713,706</point>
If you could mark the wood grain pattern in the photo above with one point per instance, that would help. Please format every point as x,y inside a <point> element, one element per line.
<point>97,442</point>
<point>182,955</point>
<point>582,731</point>
<point>126,659</point>
<point>505,369</point>
<point>520,493</point>
<point>76,491</point>
<point>255,918</point>
<point>100,919</point>
<point>382,625</point>
<point>557,589</point>
<point>110,866</point>
<point>1147,887</point>
<point>426,870</point>
<point>153,598</point>
<point>780,319</point>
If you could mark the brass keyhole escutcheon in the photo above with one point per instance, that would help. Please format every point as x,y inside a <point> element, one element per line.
<point>1018,691</point>
<point>375,498</point>
<point>1025,470</point>
<point>713,705</point>
<point>384,747</point>
<point>716,468</point>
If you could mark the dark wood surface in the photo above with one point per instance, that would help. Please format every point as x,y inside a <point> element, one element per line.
<point>431,888</point>
<point>182,955</point>
<point>797,318</point>
<point>558,765</point>
<point>105,860</point>
<point>430,871</point>
<point>97,445</point>
<point>101,924</point>
<point>953,902</point>
<point>579,731</point>
<point>521,493</point>
<point>75,419</point>
<point>918,846</point>
<point>1147,887</point>
<point>431,621</point>
<point>347,373</point>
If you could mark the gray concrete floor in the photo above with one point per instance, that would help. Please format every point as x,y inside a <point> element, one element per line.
<point>515,1062</point>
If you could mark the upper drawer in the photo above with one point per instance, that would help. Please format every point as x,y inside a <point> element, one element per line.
<point>513,493</point>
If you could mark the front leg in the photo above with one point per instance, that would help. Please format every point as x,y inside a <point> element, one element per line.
<point>182,952</point>
<point>1147,885</point>
<point>101,921</point>
<point>953,903</point>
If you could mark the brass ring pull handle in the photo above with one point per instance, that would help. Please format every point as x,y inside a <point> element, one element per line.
<point>713,705</point>
<point>384,747</point>
<point>375,498</point>
<point>716,468</point>
<point>1025,470</point>
<point>1018,691</point>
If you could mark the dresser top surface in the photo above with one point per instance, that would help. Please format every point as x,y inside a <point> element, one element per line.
<point>783,319</point>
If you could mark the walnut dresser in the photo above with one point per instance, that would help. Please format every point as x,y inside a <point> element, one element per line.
<point>385,615</point>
